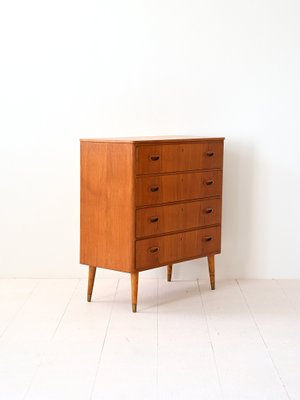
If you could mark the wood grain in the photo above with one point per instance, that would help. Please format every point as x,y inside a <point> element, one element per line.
<point>134,289</point>
<point>211,268</point>
<point>170,267</point>
<point>154,139</point>
<point>149,202</point>
<point>177,217</point>
<point>179,157</point>
<point>163,250</point>
<point>159,189</point>
<point>92,273</point>
<point>107,205</point>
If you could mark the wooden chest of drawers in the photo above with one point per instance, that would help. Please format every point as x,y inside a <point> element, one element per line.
<point>149,202</point>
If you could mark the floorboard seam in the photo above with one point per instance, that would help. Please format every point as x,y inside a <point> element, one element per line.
<point>20,309</point>
<point>50,340</point>
<point>157,298</point>
<point>210,341</point>
<point>103,343</point>
<point>65,310</point>
<point>263,341</point>
<point>288,298</point>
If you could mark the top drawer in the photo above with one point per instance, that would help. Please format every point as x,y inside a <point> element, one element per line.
<point>178,157</point>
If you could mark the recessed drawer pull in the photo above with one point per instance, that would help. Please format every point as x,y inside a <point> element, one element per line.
<point>154,219</point>
<point>154,157</point>
<point>210,153</point>
<point>209,182</point>
<point>154,250</point>
<point>208,210</point>
<point>207,238</point>
<point>154,188</point>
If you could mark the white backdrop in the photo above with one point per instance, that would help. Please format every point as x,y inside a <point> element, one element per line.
<point>72,69</point>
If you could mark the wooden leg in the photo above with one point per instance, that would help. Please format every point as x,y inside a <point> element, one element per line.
<point>92,273</point>
<point>211,267</point>
<point>170,272</point>
<point>134,289</point>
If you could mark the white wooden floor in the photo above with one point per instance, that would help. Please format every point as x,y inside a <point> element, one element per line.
<point>241,341</point>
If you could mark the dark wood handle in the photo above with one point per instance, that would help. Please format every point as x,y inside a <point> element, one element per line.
<point>210,153</point>
<point>154,188</point>
<point>209,182</point>
<point>154,157</point>
<point>154,219</point>
<point>153,250</point>
<point>207,238</point>
<point>208,210</point>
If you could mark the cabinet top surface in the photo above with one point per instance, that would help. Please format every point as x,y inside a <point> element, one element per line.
<point>147,139</point>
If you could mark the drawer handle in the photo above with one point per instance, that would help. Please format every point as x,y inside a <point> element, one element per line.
<point>154,157</point>
<point>154,250</point>
<point>208,210</point>
<point>154,188</point>
<point>209,182</point>
<point>154,219</point>
<point>210,153</point>
<point>207,238</point>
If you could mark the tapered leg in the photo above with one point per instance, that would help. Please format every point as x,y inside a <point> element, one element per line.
<point>211,267</point>
<point>92,273</point>
<point>170,266</point>
<point>134,289</point>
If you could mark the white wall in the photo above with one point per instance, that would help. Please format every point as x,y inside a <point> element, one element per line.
<point>72,69</point>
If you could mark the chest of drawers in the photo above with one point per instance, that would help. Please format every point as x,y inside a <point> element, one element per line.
<point>149,202</point>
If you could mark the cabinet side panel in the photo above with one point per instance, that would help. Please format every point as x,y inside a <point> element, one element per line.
<point>107,205</point>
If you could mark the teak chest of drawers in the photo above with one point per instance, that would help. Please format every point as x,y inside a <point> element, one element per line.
<point>149,202</point>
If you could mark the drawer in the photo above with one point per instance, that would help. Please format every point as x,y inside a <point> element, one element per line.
<point>179,157</point>
<point>176,217</point>
<point>177,247</point>
<point>168,188</point>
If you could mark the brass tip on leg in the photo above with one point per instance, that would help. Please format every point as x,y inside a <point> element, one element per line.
<point>212,287</point>
<point>133,307</point>
<point>169,279</point>
<point>89,297</point>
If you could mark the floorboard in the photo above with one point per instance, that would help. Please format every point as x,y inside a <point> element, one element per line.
<point>26,339</point>
<point>239,342</point>
<point>68,367</point>
<point>186,365</point>
<point>245,368</point>
<point>127,368</point>
<point>275,310</point>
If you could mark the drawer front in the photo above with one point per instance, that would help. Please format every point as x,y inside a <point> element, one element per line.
<point>162,250</point>
<point>179,157</point>
<point>176,217</point>
<point>168,188</point>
